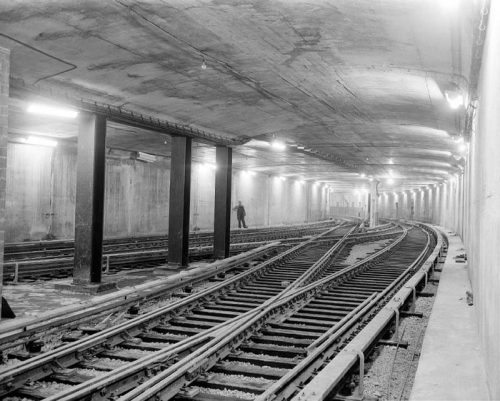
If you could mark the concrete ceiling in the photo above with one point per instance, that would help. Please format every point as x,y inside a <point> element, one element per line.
<point>363,80</point>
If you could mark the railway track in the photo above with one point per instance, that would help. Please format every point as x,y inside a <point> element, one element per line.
<point>181,327</point>
<point>53,248</point>
<point>147,254</point>
<point>261,357</point>
<point>112,305</point>
<point>237,288</point>
<point>54,259</point>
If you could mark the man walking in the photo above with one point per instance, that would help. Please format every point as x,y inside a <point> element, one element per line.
<point>240,215</point>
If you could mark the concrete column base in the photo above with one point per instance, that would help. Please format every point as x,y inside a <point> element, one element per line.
<point>91,288</point>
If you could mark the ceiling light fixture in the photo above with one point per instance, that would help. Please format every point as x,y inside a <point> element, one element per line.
<point>454,99</point>
<point>300,147</point>
<point>203,65</point>
<point>282,178</point>
<point>35,140</point>
<point>390,181</point>
<point>363,175</point>
<point>278,145</point>
<point>54,111</point>
<point>145,157</point>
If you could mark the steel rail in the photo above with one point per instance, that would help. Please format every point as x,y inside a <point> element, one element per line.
<point>122,375</point>
<point>12,334</point>
<point>46,266</point>
<point>168,382</point>
<point>108,387</point>
<point>195,338</point>
<point>325,346</point>
<point>321,386</point>
<point>196,237</point>
<point>110,302</point>
<point>320,264</point>
<point>285,387</point>
<point>43,365</point>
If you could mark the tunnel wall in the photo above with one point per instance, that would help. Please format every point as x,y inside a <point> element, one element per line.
<point>469,204</point>
<point>481,232</point>
<point>41,182</point>
<point>440,204</point>
<point>348,204</point>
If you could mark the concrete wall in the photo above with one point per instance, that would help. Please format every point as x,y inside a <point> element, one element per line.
<point>469,204</point>
<point>398,205</point>
<point>482,231</point>
<point>4,130</point>
<point>41,184</point>
<point>348,204</point>
<point>440,204</point>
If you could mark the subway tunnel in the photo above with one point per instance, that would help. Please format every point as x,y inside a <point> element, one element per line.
<point>290,151</point>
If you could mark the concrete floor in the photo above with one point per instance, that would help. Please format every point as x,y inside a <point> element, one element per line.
<point>451,366</point>
<point>34,300</point>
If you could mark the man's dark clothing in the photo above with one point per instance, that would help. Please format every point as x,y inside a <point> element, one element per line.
<point>240,215</point>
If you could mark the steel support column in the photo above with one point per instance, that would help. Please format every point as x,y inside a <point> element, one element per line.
<point>89,206</point>
<point>222,208</point>
<point>4,127</point>
<point>373,203</point>
<point>180,193</point>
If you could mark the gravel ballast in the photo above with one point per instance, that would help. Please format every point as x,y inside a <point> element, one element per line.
<point>390,376</point>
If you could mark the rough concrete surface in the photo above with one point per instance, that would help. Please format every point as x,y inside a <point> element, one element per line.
<point>362,82</point>
<point>41,196</point>
<point>451,364</point>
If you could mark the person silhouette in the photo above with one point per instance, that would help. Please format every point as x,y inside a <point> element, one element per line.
<point>240,215</point>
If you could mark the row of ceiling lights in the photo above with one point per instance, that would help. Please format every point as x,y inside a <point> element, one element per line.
<point>69,113</point>
<point>361,191</point>
<point>250,173</point>
<point>276,144</point>
<point>421,190</point>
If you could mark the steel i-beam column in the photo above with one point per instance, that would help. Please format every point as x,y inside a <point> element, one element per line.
<point>180,193</point>
<point>4,126</point>
<point>89,207</point>
<point>373,204</point>
<point>222,208</point>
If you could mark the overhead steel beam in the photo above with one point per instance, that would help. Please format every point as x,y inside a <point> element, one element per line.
<point>124,116</point>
